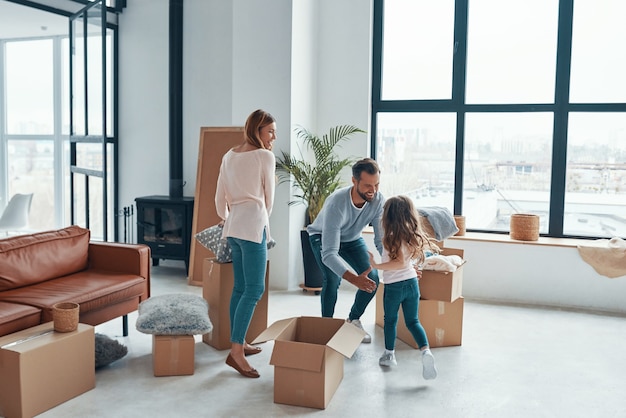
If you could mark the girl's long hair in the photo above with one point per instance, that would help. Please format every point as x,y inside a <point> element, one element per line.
<point>402,225</point>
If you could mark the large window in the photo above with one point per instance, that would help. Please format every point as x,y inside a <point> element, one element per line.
<point>496,107</point>
<point>35,122</point>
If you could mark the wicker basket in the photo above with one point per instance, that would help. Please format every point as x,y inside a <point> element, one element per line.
<point>65,316</point>
<point>525,227</point>
<point>459,220</point>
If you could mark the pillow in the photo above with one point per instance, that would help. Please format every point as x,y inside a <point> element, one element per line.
<point>211,238</point>
<point>174,314</point>
<point>108,350</point>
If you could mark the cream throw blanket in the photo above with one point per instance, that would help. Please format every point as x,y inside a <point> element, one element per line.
<point>607,257</point>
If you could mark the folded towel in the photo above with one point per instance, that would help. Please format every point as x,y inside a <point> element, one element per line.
<point>607,257</point>
<point>441,220</point>
<point>440,262</point>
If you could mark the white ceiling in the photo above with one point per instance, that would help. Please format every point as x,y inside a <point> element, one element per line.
<point>17,21</point>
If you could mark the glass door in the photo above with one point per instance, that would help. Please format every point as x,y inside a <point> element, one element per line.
<point>90,165</point>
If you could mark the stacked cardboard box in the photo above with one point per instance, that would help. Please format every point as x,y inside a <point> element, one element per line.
<point>440,307</point>
<point>217,287</point>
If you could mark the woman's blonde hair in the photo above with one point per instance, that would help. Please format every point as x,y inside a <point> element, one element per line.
<point>403,226</point>
<point>257,120</point>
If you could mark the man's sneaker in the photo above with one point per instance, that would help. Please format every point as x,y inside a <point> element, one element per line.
<point>357,323</point>
<point>388,359</point>
<point>429,371</point>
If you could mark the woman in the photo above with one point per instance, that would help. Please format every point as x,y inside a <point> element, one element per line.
<point>244,199</point>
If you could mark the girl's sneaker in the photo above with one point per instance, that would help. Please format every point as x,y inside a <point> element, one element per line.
<point>429,371</point>
<point>388,359</point>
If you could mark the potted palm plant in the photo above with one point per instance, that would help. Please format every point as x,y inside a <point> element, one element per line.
<point>315,181</point>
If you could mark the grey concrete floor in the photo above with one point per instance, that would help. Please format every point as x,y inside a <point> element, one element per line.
<point>514,362</point>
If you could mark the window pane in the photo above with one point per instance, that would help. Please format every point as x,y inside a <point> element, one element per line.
<point>31,170</point>
<point>89,155</point>
<point>96,226</point>
<point>596,175</point>
<point>511,51</point>
<point>598,60</point>
<point>94,76</point>
<point>65,87</point>
<point>29,87</point>
<point>416,154</point>
<point>418,48</point>
<point>507,168</point>
<point>109,82</point>
<point>78,80</point>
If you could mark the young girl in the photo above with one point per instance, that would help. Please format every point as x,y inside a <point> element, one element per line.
<point>404,242</point>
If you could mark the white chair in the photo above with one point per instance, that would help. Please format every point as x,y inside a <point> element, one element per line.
<point>15,215</point>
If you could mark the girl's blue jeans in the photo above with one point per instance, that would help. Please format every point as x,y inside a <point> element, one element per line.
<point>249,265</point>
<point>407,294</point>
<point>355,254</point>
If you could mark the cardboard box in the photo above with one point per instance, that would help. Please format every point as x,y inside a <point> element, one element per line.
<point>443,285</point>
<point>41,368</point>
<point>217,287</point>
<point>173,355</point>
<point>308,358</point>
<point>442,321</point>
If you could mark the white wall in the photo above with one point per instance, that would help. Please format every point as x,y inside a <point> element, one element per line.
<point>536,274</point>
<point>309,64</point>
<point>290,59</point>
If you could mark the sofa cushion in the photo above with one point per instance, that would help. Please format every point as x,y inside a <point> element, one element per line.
<point>91,289</point>
<point>34,258</point>
<point>15,317</point>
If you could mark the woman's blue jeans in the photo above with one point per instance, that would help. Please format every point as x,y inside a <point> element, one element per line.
<point>249,265</point>
<point>407,294</point>
<point>355,254</point>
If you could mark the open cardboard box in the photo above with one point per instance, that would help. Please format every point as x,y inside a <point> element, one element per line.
<point>217,287</point>
<point>308,358</point>
<point>41,368</point>
<point>443,285</point>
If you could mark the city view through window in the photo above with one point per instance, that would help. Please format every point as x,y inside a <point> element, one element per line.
<point>521,136</point>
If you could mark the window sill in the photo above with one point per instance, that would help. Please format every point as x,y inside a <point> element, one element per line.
<point>506,239</point>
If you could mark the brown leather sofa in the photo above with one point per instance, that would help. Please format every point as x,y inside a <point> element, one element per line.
<point>37,270</point>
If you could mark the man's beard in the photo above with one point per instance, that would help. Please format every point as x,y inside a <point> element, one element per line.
<point>364,196</point>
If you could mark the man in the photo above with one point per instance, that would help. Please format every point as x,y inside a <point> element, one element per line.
<point>336,239</point>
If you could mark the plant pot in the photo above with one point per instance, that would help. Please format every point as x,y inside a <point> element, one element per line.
<point>65,316</point>
<point>313,276</point>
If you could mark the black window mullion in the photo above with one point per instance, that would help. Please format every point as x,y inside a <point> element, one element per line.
<point>377,59</point>
<point>561,117</point>
<point>459,71</point>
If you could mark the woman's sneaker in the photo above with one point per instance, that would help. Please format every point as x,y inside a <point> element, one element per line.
<point>357,323</point>
<point>388,359</point>
<point>429,371</point>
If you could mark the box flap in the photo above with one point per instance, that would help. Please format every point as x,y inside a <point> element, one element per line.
<point>275,330</point>
<point>296,355</point>
<point>347,339</point>
<point>452,251</point>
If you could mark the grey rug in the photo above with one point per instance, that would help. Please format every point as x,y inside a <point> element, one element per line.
<point>108,350</point>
